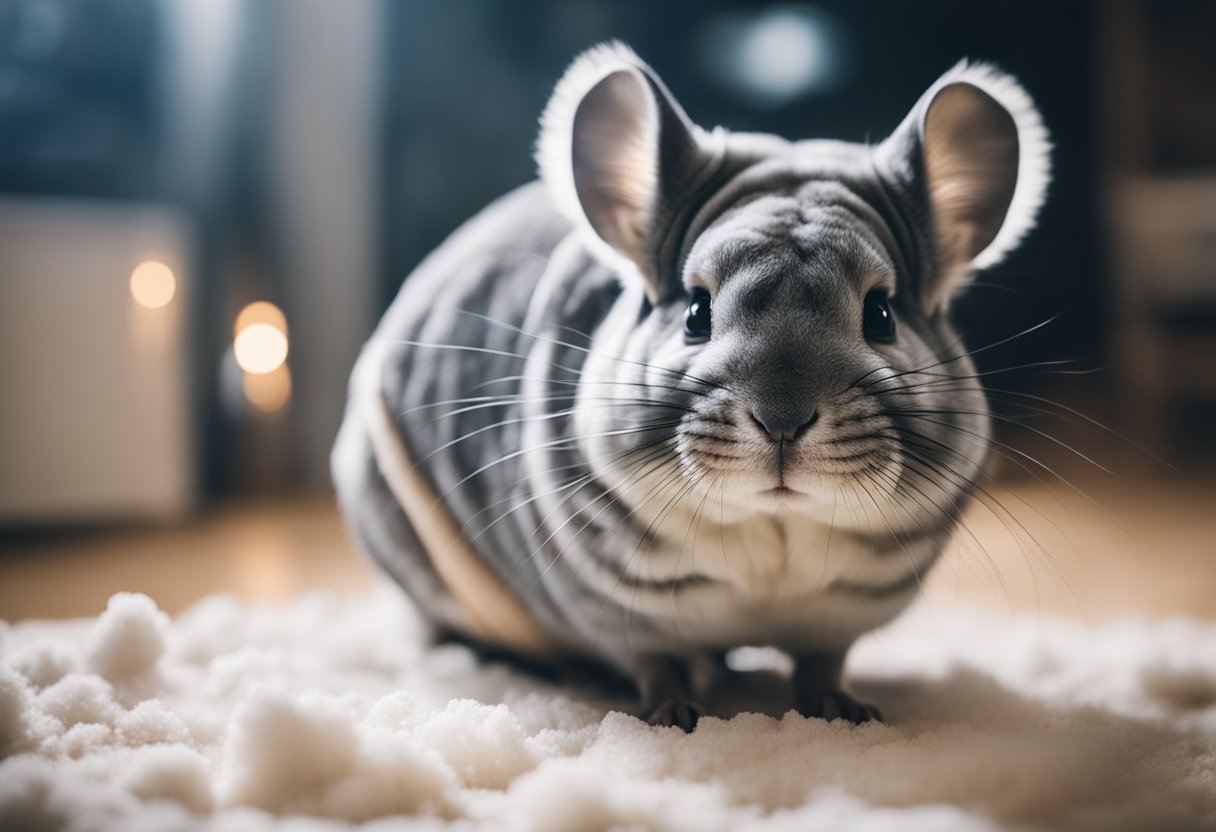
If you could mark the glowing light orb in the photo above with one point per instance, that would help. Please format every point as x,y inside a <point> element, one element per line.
<point>261,312</point>
<point>260,345</point>
<point>776,54</point>
<point>153,284</point>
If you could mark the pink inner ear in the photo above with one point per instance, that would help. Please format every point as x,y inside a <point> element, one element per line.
<point>615,159</point>
<point>970,147</point>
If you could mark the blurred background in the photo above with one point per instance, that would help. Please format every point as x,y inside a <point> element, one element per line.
<point>205,206</point>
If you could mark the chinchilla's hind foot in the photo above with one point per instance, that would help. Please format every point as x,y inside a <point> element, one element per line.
<point>836,704</point>
<point>667,699</point>
<point>817,692</point>
<point>681,713</point>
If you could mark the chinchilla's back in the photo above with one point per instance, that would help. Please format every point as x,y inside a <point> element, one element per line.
<point>450,360</point>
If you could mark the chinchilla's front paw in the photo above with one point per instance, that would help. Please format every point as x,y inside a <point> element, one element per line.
<point>836,704</point>
<point>680,713</point>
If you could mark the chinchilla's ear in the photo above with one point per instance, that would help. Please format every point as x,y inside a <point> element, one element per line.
<point>976,149</point>
<point>622,159</point>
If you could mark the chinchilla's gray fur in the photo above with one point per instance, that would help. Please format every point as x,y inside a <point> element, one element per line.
<point>624,484</point>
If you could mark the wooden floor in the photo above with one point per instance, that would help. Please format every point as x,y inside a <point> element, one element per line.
<point>262,551</point>
<point>1132,547</point>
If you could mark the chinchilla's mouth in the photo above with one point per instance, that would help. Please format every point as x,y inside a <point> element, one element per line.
<point>782,491</point>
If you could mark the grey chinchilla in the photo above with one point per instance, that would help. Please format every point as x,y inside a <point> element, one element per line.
<point>694,389</point>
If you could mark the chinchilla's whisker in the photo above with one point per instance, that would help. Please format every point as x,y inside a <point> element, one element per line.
<point>857,382</point>
<point>609,462</point>
<point>946,377</point>
<point>648,537</point>
<point>1017,531</point>
<point>983,284</point>
<point>945,517</point>
<point>652,455</point>
<point>918,443</point>
<point>557,443</point>
<point>604,401</point>
<point>916,467</point>
<point>694,526</point>
<point>435,345</point>
<point>649,450</point>
<point>518,420</point>
<point>506,398</point>
<point>651,461</point>
<point>827,549</point>
<point>608,382</point>
<point>958,343</point>
<point>1014,456</point>
<point>588,351</point>
<point>919,460</point>
<point>943,378</point>
<point>665,483</point>
<point>931,446</point>
<point>561,551</point>
<point>650,465</point>
<point>722,524</point>
<point>1009,452</point>
<point>903,542</point>
<point>926,412</point>
<point>578,373</point>
<point>963,355</point>
<point>1014,397</point>
<point>925,416</point>
<point>944,520</point>
<point>1026,411</point>
<point>559,488</point>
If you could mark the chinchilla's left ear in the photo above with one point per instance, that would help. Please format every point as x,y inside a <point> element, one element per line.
<point>975,148</point>
<point>622,160</point>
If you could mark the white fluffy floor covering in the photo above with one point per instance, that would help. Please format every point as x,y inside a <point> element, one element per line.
<point>330,713</point>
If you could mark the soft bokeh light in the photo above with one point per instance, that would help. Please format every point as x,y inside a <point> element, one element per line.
<point>268,392</point>
<point>260,312</point>
<point>260,345</point>
<point>260,348</point>
<point>153,284</point>
<point>777,54</point>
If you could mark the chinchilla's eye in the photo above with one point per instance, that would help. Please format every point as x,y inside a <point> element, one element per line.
<point>697,322</point>
<point>877,320</point>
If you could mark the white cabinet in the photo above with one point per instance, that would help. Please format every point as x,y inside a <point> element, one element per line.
<point>95,410</point>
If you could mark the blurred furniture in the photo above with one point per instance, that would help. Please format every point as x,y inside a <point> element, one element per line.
<point>1164,253</point>
<point>95,416</point>
<point>1159,85</point>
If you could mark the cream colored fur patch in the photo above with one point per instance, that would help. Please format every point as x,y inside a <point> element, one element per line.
<point>492,613</point>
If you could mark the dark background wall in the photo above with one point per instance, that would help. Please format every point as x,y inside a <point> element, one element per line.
<point>466,81</point>
<point>320,150</point>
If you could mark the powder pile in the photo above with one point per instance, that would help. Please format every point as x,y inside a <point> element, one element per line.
<point>329,714</point>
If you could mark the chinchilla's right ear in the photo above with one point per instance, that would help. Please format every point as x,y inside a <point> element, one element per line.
<point>974,148</point>
<point>622,160</point>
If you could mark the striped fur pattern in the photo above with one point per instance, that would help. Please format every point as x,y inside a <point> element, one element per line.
<point>617,478</point>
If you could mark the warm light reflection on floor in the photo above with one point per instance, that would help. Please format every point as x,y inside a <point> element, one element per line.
<point>1145,549</point>
<point>261,551</point>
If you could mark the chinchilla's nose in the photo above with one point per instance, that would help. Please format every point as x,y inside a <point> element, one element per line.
<point>784,425</point>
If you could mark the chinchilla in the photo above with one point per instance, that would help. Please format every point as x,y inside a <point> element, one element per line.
<point>694,389</point>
